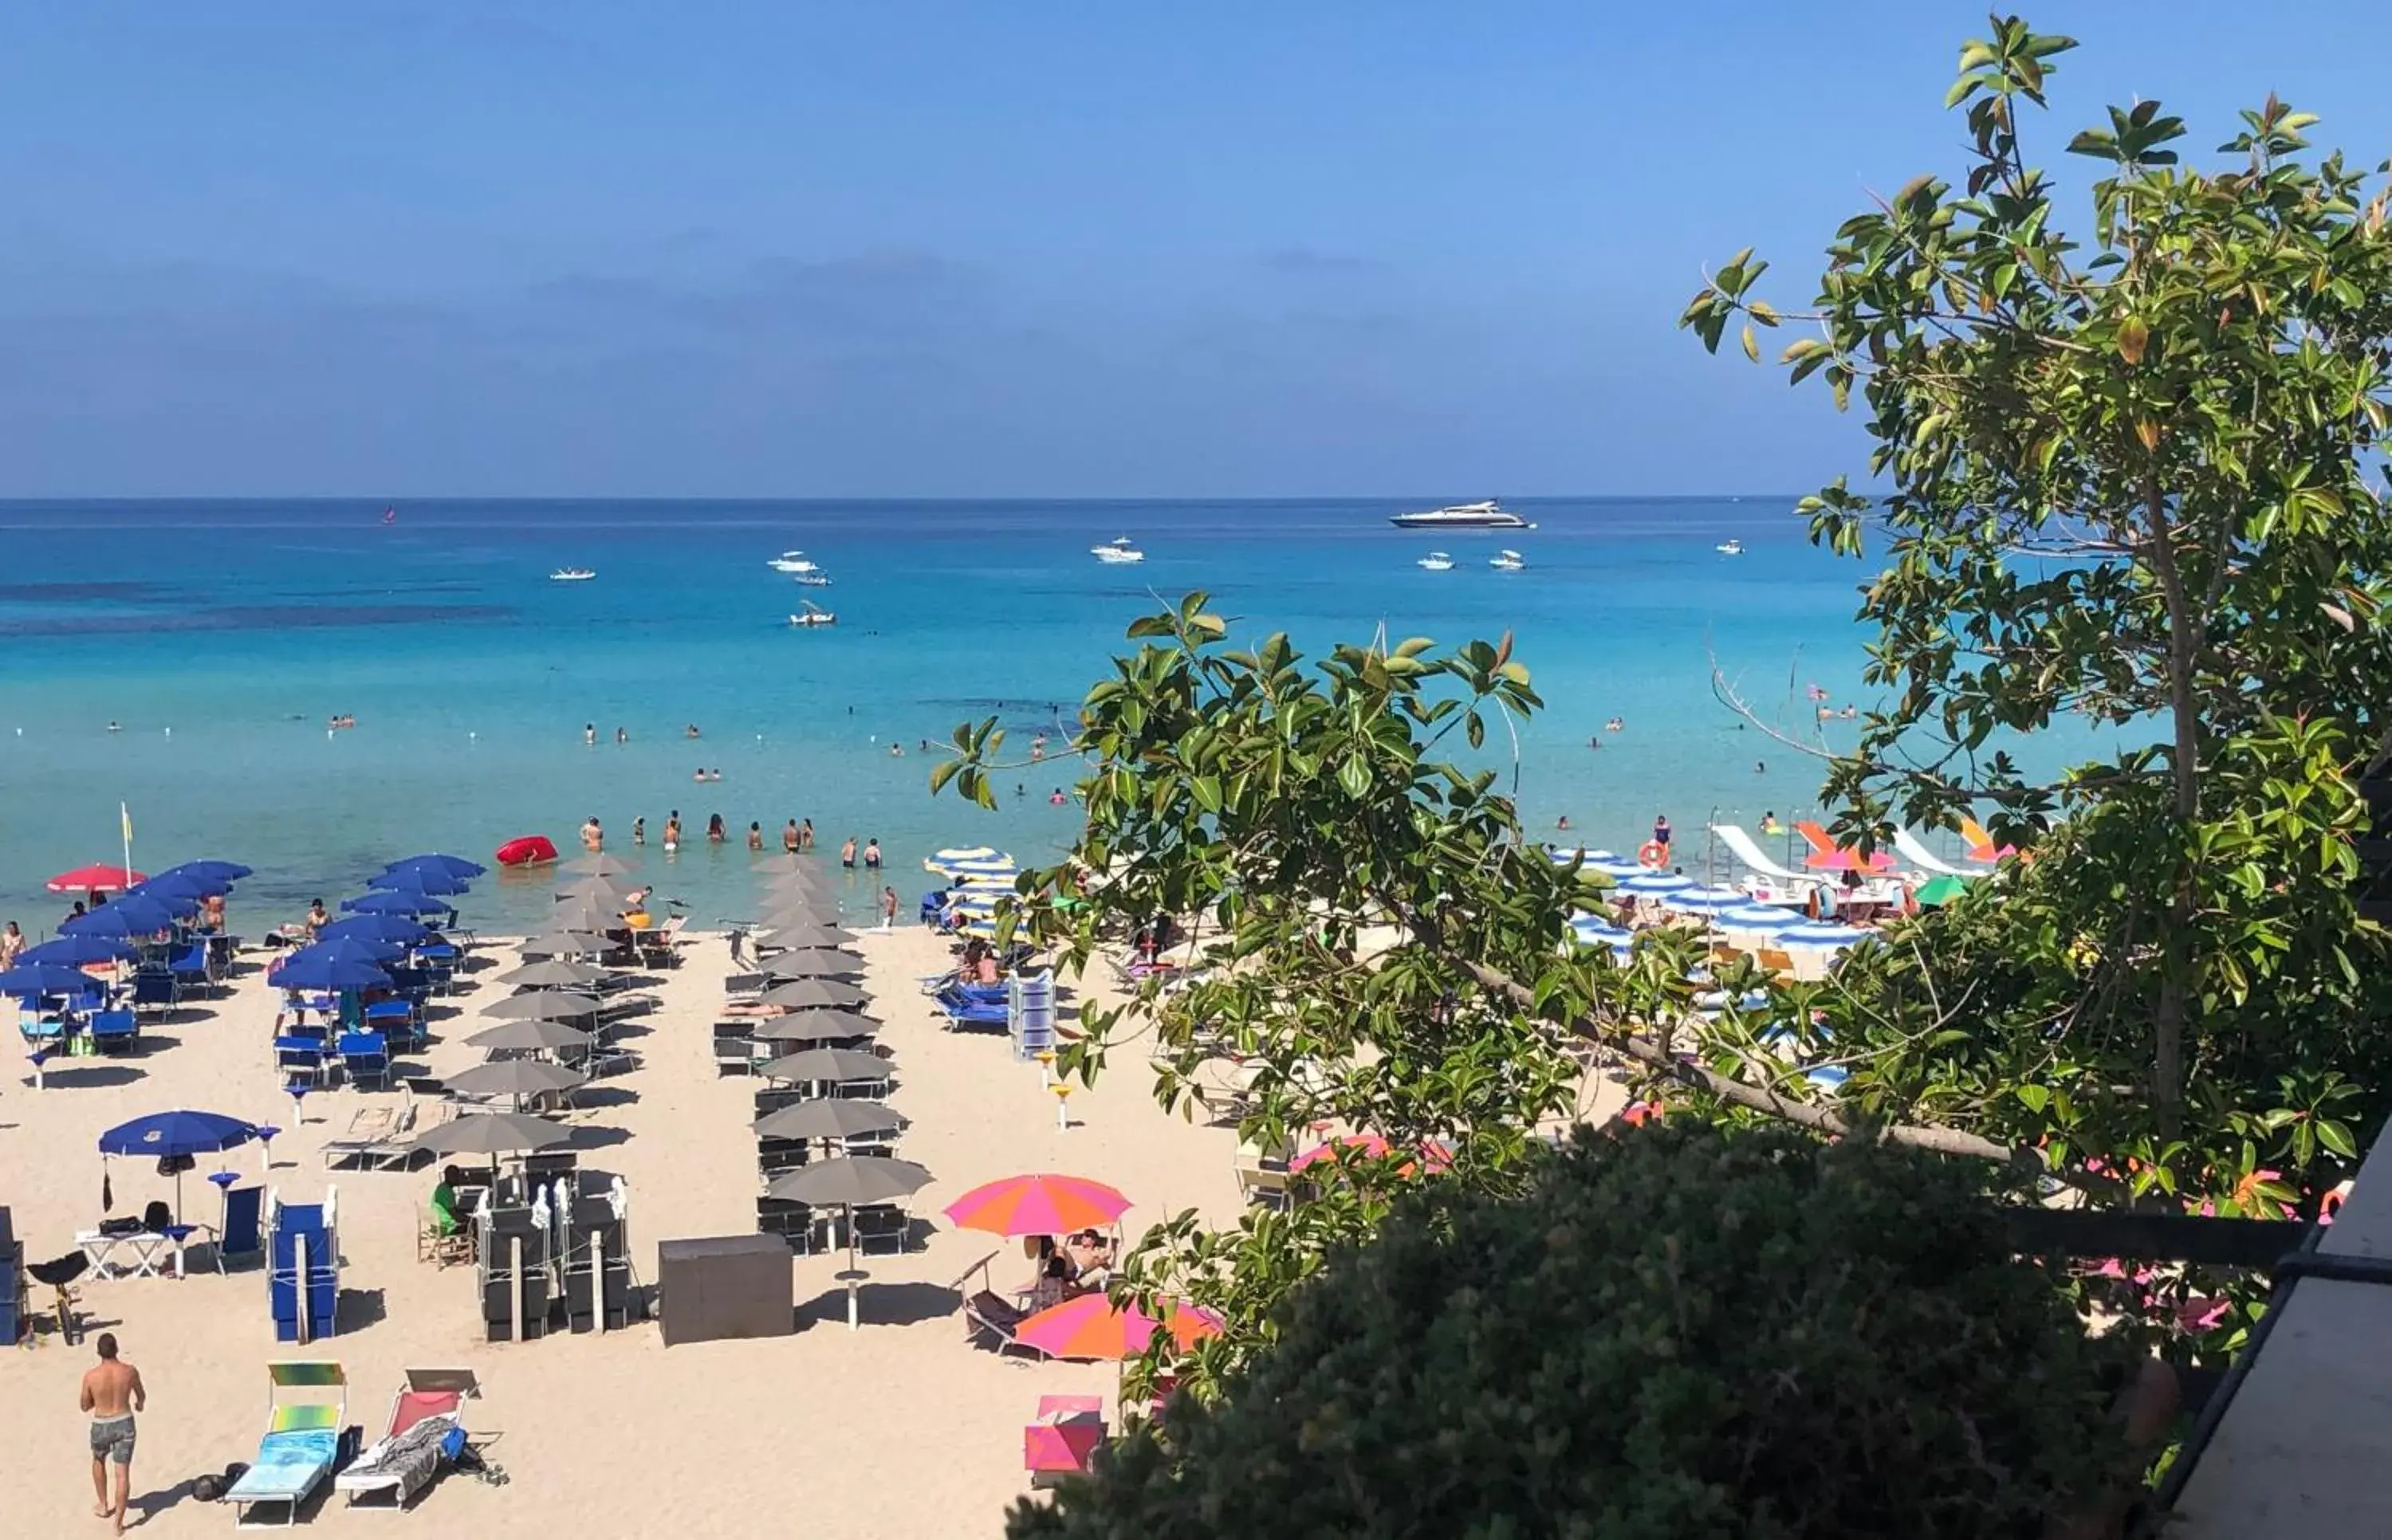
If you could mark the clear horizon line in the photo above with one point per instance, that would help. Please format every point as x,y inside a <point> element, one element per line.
<point>13,500</point>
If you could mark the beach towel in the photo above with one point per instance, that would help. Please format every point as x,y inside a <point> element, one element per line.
<point>289,1465</point>
<point>407,1461</point>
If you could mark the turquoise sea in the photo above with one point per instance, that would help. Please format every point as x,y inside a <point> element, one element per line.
<point>220,636</point>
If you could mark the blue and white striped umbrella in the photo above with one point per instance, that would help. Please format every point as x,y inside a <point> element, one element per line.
<point>1654,884</point>
<point>1591,932</point>
<point>1756,916</point>
<point>945,860</point>
<point>1821,932</point>
<point>1828,1077</point>
<point>1600,862</point>
<point>1705,900</point>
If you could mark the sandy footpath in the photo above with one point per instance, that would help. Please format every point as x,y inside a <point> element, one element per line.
<point>898,1429</point>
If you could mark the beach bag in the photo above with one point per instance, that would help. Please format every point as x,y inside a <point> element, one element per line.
<point>175,1165</point>
<point>211,1486</point>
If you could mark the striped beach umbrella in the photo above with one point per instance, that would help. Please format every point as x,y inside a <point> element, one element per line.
<point>1092,1326</point>
<point>1705,900</point>
<point>1821,933</point>
<point>1652,885</point>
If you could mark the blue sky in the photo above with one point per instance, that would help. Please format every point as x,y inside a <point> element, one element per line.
<point>955,250</point>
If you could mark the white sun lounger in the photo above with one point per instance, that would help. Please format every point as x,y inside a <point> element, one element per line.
<point>1915,851</point>
<point>1744,848</point>
<point>301,1445</point>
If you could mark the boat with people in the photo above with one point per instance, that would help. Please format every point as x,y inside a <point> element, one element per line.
<point>792,560</point>
<point>1437,560</point>
<point>1507,561</point>
<point>1730,547</point>
<point>571,574</point>
<point>813,614</point>
<point>1490,514</point>
<point>1119,550</point>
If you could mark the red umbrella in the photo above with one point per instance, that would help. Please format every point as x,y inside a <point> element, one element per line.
<point>103,879</point>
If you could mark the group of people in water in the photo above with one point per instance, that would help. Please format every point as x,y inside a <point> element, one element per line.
<point>797,837</point>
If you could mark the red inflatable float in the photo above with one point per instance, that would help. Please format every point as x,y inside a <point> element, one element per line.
<point>525,851</point>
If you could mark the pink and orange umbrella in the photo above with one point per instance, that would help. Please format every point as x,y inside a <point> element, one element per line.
<point>1038,1204</point>
<point>1092,1326</point>
<point>1436,1157</point>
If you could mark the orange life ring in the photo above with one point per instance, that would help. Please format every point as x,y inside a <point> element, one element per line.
<point>1652,854</point>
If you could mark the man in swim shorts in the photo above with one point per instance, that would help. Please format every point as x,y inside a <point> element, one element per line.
<point>112,1393</point>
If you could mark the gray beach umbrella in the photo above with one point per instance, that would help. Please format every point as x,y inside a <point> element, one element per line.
<point>814,1027</point>
<point>589,914</point>
<point>566,943</point>
<point>784,862</point>
<point>792,918</point>
<point>831,1120</point>
<point>851,1181</point>
<point>494,1133</point>
<point>812,963</point>
<point>597,890</point>
<point>812,934</point>
<point>515,1078</point>
<point>596,864</point>
<point>800,885</point>
<point>814,995</point>
<point>554,973</point>
<point>542,1005</point>
<point>516,1035</point>
<point>829,1064</point>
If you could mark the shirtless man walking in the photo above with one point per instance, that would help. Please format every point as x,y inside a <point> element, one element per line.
<point>112,1393</point>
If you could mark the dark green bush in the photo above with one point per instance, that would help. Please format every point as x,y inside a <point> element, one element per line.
<point>1681,1332</point>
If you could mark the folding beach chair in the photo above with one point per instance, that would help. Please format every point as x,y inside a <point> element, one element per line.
<point>991,1320</point>
<point>883,1224</point>
<point>154,991</point>
<point>793,1221</point>
<point>114,1031</point>
<point>365,1058</point>
<point>306,1418</point>
<point>243,1232</point>
<point>426,1433</point>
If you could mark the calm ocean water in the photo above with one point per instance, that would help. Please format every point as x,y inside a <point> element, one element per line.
<point>220,637</point>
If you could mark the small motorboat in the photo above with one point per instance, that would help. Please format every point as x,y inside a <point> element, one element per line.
<point>813,614</point>
<point>1507,561</point>
<point>571,574</point>
<point>1117,550</point>
<point>1730,547</point>
<point>792,560</point>
<point>812,580</point>
<point>1437,560</point>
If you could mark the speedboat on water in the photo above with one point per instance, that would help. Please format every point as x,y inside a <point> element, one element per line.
<point>571,574</point>
<point>1507,561</point>
<point>813,614</point>
<point>792,560</point>
<point>1117,551</point>
<point>1463,515</point>
<point>1437,560</point>
<point>1730,547</point>
<point>812,580</point>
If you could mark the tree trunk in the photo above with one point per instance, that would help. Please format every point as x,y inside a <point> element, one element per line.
<point>2175,995</point>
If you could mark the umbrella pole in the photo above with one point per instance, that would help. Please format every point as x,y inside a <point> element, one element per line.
<point>851,1323</point>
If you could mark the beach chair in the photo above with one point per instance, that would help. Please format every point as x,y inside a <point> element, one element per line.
<point>964,1012</point>
<point>661,948</point>
<point>243,1231</point>
<point>306,1422</point>
<point>776,1156</point>
<point>1776,960</point>
<point>365,1059</point>
<point>426,1433</point>
<point>154,991</point>
<point>990,1319</point>
<point>746,986</point>
<point>793,1221</point>
<point>1262,1185</point>
<point>884,1224</point>
<point>191,970</point>
<point>114,1031</point>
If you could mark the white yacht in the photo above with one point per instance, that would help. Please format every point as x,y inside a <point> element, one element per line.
<point>1463,515</point>
<point>1507,561</point>
<point>1117,551</point>
<point>1437,560</point>
<point>571,574</point>
<point>1730,547</point>
<point>811,580</point>
<point>813,614</point>
<point>791,560</point>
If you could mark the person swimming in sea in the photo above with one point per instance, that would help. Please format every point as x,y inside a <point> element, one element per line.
<point>672,832</point>
<point>714,831</point>
<point>847,853</point>
<point>755,837</point>
<point>640,830</point>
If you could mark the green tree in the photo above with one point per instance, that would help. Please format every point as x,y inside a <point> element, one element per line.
<point>2129,475</point>
<point>1678,1331</point>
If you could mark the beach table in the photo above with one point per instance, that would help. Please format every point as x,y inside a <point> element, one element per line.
<point>1063,1438</point>
<point>148,1251</point>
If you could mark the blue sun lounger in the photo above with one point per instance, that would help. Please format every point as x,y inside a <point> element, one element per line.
<point>964,1011</point>
<point>306,1423</point>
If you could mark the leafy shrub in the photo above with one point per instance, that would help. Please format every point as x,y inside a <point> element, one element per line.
<point>1680,1331</point>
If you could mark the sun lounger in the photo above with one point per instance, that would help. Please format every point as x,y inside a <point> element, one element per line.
<point>380,1139</point>
<point>990,1319</point>
<point>427,1431</point>
<point>114,1031</point>
<point>1915,851</point>
<point>307,1405</point>
<point>965,1012</point>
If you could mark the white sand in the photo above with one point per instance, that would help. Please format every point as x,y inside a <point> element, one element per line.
<point>899,1429</point>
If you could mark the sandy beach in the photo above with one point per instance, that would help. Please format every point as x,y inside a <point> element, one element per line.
<point>897,1429</point>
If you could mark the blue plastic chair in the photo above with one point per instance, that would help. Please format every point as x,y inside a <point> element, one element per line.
<point>114,1031</point>
<point>154,990</point>
<point>365,1057</point>
<point>189,967</point>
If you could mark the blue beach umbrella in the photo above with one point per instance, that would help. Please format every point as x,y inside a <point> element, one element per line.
<point>72,951</point>
<point>346,948</point>
<point>397,930</point>
<point>213,870</point>
<point>1591,932</point>
<point>1601,863</point>
<point>301,972</point>
<point>1649,885</point>
<point>1705,900</point>
<point>456,866</point>
<point>133,914</point>
<point>1756,916</point>
<point>181,1132</point>
<point>1821,933</point>
<point>27,980</point>
<point>176,888</point>
<point>1830,1077</point>
<point>429,880</point>
<point>380,901</point>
